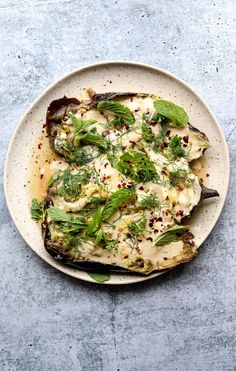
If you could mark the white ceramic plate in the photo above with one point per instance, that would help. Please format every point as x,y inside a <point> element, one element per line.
<point>102,77</point>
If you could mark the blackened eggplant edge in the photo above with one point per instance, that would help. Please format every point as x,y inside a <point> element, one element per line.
<point>56,112</point>
<point>207,192</point>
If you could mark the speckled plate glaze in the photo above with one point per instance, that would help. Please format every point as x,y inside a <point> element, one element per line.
<point>102,77</point>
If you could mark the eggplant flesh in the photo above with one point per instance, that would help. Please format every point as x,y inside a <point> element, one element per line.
<point>57,115</point>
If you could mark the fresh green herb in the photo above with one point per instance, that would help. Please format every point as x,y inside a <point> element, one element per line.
<point>74,226</point>
<point>147,133</point>
<point>138,226</point>
<point>151,202</point>
<point>90,138</point>
<point>117,123</point>
<point>58,215</point>
<point>37,210</point>
<point>67,222</point>
<point>102,239</point>
<point>176,147</point>
<point>158,118</point>
<point>53,179</point>
<point>74,154</point>
<point>116,200</point>
<point>99,277</point>
<point>162,132</point>
<point>173,112</point>
<point>170,235</point>
<point>118,109</point>
<point>71,183</point>
<point>95,222</point>
<point>137,166</point>
<point>81,125</point>
<point>177,177</point>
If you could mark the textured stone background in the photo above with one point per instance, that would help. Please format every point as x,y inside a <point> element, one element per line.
<point>183,321</point>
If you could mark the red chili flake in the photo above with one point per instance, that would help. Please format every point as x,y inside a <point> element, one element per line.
<point>152,220</point>
<point>40,145</point>
<point>129,235</point>
<point>147,113</point>
<point>149,239</point>
<point>141,188</point>
<point>156,230</point>
<point>159,219</point>
<point>186,138</point>
<point>105,133</point>
<point>123,184</point>
<point>185,145</point>
<point>163,172</point>
<point>105,165</point>
<point>131,99</point>
<point>179,213</point>
<point>136,110</point>
<point>207,175</point>
<point>132,142</point>
<point>168,133</point>
<point>150,225</point>
<point>127,127</point>
<point>123,147</point>
<point>126,256</point>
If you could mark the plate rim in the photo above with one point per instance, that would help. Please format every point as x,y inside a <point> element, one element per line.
<point>80,70</point>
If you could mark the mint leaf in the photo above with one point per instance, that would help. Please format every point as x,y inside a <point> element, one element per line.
<point>95,222</point>
<point>173,112</point>
<point>94,139</point>
<point>37,210</point>
<point>58,215</point>
<point>170,235</point>
<point>137,166</point>
<point>81,125</point>
<point>99,277</point>
<point>118,109</point>
<point>116,200</point>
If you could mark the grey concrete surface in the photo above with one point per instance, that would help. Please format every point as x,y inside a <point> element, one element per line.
<point>183,321</point>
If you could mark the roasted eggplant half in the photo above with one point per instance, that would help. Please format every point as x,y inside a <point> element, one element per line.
<point>125,189</point>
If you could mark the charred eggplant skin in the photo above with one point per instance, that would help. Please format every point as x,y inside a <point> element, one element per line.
<point>207,192</point>
<point>96,98</point>
<point>56,112</point>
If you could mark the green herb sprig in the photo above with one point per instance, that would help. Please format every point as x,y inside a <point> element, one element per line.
<point>118,109</point>
<point>173,112</point>
<point>170,235</point>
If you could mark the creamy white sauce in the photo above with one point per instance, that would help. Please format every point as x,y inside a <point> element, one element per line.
<point>176,202</point>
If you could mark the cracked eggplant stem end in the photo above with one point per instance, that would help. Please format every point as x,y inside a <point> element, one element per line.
<point>207,192</point>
